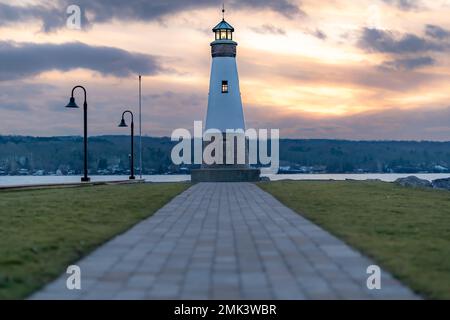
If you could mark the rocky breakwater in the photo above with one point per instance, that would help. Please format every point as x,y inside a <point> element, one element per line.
<point>415,182</point>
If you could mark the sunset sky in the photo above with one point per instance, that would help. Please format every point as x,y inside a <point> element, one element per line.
<point>337,69</point>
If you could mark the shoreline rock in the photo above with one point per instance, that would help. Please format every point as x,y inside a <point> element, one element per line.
<point>413,182</point>
<point>441,184</point>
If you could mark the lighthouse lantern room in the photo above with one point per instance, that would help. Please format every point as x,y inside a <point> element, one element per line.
<point>223,31</point>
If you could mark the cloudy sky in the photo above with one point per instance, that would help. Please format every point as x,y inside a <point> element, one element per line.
<point>366,69</point>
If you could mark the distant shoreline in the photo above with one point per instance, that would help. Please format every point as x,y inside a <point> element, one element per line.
<point>108,155</point>
<point>385,177</point>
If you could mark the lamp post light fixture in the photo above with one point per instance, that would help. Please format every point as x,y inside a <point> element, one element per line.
<point>124,124</point>
<point>72,104</point>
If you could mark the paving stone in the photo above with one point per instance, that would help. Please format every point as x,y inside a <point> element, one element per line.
<point>225,241</point>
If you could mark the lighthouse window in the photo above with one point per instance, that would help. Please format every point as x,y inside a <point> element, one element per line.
<point>224,86</point>
<point>223,34</point>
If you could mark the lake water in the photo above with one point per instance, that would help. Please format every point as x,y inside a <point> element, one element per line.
<point>29,180</point>
<point>388,177</point>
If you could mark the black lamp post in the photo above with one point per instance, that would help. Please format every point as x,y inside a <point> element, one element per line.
<point>72,104</point>
<point>123,124</point>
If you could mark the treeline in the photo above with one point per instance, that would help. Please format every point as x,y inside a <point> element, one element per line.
<point>109,155</point>
<point>342,156</point>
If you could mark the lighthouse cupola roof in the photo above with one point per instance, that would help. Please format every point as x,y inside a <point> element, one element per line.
<point>223,25</point>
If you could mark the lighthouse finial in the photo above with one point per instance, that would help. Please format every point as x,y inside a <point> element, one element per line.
<point>223,11</point>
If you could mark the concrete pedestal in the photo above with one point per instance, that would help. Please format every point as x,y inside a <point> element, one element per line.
<point>224,174</point>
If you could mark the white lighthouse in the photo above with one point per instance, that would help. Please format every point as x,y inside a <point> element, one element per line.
<point>224,101</point>
<point>225,110</point>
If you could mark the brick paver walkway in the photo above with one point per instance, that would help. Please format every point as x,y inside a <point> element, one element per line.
<point>225,241</point>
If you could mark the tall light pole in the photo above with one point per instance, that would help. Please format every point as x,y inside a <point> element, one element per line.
<point>124,124</point>
<point>140,130</point>
<point>72,104</point>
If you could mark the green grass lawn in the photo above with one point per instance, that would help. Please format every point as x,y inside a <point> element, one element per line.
<point>43,231</point>
<point>407,231</point>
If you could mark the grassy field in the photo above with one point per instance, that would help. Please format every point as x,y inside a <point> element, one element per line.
<point>407,231</point>
<point>43,231</point>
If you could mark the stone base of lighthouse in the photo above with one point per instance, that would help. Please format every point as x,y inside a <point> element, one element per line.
<point>227,172</point>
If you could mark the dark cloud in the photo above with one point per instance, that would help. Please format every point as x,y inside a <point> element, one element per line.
<point>375,40</point>
<point>51,17</point>
<point>269,29</point>
<point>54,16</point>
<point>407,63</point>
<point>287,8</point>
<point>319,34</point>
<point>407,51</point>
<point>104,10</point>
<point>27,59</point>
<point>437,32</point>
<point>404,4</point>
